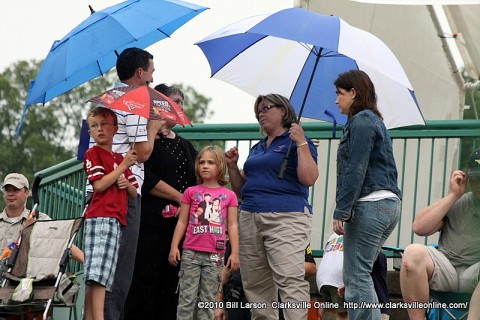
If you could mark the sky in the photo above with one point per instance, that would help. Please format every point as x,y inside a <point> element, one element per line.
<point>29,28</point>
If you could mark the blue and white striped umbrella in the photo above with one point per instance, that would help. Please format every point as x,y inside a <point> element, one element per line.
<point>298,53</point>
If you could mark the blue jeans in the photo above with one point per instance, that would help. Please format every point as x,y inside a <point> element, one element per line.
<point>371,224</point>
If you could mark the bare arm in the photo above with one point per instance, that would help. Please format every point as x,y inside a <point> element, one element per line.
<point>237,178</point>
<point>131,191</point>
<point>77,254</point>
<point>233,261</point>
<point>164,190</point>
<point>307,169</point>
<point>310,269</point>
<point>182,223</point>
<point>430,219</point>
<point>220,313</point>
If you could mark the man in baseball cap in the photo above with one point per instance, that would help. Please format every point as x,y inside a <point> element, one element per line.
<point>455,264</point>
<point>474,164</point>
<point>17,180</point>
<point>15,194</point>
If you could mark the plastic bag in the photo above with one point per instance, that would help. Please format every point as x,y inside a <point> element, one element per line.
<point>170,211</point>
<point>68,288</point>
<point>24,290</point>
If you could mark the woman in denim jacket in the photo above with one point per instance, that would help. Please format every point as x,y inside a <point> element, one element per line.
<point>368,201</point>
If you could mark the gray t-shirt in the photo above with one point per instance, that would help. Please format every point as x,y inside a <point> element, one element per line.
<point>460,237</point>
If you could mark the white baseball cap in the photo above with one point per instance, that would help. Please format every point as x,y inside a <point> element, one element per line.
<point>17,180</point>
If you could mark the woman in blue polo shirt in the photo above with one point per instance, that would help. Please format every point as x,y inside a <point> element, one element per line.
<point>275,217</point>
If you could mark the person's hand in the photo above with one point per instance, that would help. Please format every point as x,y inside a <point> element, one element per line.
<point>130,158</point>
<point>232,156</point>
<point>338,227</point>
<point>296,133</point>
<point>174,257</point>
<point>233,263</point>
<point>341,291</point>
<point>122,182</point>
<point>167,128</point>
<point>155,125</point>
<point>220,314</point>
<point>458,183</point>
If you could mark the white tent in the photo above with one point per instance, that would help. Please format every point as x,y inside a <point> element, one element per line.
<point>413,33</point>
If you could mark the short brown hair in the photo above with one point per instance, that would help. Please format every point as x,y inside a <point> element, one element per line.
<point>281,102</point>
<point>104,112</point>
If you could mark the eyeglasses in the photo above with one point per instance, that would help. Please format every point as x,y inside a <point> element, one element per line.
<point>265,108</point>
<point>96,126</point>
<point>178,101</point>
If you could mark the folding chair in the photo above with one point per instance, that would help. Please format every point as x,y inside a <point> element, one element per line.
<point>42,255</point>
<point>439,299</point>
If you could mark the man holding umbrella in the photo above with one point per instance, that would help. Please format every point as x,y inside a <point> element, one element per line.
<point>134,67</point>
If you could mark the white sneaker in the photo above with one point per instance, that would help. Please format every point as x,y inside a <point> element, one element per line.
<point>385,316</point>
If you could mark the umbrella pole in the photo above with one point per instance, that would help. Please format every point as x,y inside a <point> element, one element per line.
<point>136,131</point>
<point>281,174</point>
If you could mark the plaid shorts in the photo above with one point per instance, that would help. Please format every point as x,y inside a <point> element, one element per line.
<point>102,238</point>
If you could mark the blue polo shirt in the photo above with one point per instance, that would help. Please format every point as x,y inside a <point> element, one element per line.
<point>263,190</point>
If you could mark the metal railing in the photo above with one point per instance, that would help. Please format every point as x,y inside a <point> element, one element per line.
<point>425,156</point>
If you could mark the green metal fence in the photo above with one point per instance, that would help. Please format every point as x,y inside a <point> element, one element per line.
<point>425,155</point>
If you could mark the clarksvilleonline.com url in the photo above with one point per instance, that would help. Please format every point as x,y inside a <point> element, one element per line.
<point>331,305</point>
<point>404,305</point>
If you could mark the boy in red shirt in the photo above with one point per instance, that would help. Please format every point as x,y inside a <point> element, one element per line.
<point>112,182</point>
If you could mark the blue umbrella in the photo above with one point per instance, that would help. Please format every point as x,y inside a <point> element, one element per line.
<point>91,48</point>
<point>298,53</point>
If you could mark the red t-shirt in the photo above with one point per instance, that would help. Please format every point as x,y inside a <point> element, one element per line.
<point>113,202</point>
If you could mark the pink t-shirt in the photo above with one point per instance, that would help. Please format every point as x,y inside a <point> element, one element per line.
<point>208,217</point>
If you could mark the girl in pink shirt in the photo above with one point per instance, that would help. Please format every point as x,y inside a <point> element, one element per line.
<point>205,237</point>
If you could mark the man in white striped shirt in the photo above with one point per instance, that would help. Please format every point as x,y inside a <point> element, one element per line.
<point>134,67</point>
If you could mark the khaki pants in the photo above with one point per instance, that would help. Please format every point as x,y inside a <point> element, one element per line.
<point>272,258</point>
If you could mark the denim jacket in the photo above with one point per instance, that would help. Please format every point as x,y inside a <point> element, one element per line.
<point>365,162</point>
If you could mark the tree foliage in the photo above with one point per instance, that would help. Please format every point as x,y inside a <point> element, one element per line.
<point>49,134</point>
<point>196,105</point>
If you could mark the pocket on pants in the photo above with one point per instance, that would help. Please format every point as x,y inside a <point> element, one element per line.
<point>180,276</point>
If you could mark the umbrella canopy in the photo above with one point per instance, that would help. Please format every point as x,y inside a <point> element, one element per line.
<point>90,49</point>
<point>299,54</point>
<point>143,101</point>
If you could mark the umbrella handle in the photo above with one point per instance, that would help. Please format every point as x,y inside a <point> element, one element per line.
<point>334,129</point>
<point>281,174</point>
